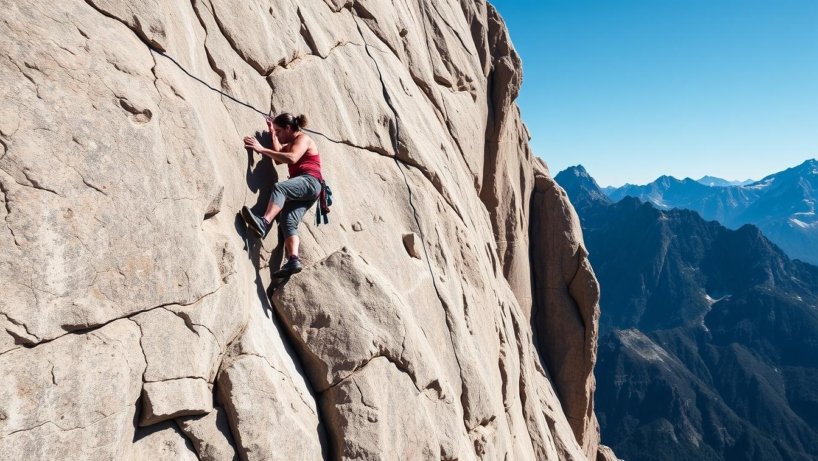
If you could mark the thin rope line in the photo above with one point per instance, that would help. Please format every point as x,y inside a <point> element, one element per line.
<point>237,101</point>
<point>233,98</point>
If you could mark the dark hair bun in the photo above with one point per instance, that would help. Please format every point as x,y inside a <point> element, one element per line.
<point>287,119</point>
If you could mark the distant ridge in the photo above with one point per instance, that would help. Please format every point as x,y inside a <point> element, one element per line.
<point>707,335</point>
<point>782,204</point>
<point>713,181</point>
<point>585,188</point>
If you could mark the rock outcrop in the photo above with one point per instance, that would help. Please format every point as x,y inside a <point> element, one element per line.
<point>448,311</point>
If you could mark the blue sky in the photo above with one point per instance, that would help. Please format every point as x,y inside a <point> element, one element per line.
<point>634,89</point>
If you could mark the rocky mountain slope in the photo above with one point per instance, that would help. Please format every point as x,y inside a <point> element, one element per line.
<point>707,346</point>
<point>782,204</point>
<point>713,181</point>
<point>448,311</point>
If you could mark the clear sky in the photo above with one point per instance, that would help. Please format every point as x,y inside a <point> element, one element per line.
<point>633,89</point>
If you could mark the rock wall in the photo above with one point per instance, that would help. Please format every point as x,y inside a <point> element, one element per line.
<point>137,316</point>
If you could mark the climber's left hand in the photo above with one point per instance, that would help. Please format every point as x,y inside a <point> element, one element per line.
<point>251,142</point>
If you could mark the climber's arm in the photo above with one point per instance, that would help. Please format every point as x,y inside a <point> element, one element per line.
<point>284,148</point>
<point>291,154</point>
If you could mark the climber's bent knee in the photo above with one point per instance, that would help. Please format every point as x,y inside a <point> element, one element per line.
<point>291,216</point>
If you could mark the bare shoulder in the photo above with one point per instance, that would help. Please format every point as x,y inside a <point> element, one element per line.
<point>306,140</point>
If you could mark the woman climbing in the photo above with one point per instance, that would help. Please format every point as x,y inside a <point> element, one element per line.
<point>293,197</point>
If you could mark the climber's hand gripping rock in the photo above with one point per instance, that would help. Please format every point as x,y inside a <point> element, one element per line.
<point>251,142</point>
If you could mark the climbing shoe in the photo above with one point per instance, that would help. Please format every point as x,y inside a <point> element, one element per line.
<point>259,225</point>
<point>292,266</point>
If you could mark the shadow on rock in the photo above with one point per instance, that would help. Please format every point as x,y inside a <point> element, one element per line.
<point>261,176</point>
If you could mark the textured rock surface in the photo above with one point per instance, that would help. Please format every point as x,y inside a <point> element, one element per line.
<point>446,312</point>
<point>566,300</point>
<point>177,397</point>
<point>210,435</point>
<point>161,441</point>
<point>76,394</point>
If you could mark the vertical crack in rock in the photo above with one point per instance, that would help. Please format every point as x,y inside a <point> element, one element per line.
<point>564,295</point>
<point>213,66</point>
<point>136,30</point>
<point>502,357</point>
<point>454,31</point>
<point>210,435</point>
<point>5,148</point>
<point>395,131</point>
<point>363,400</point>
<point>211,61</point>
<point>502,85</point>
<point>359,10</point>
<point>324,429</point>
<point>141,349</point>
<point>523,389</point>
<point>189,437</point>
<point>395,136</point>
<point>441,108</point>
<point>51,371</point>
<point>307,35</point>
<point>254,64</point>
<point>277,371</point>
<point>5,193</point>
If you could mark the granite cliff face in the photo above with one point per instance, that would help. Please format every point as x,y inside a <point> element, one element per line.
<point>448,311</point>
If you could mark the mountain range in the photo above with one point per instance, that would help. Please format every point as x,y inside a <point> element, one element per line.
<point>782,204</point>
<point>709,336</point>
<point>719,182</point>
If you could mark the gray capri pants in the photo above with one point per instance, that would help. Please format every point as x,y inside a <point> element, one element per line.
<point>295,196</point>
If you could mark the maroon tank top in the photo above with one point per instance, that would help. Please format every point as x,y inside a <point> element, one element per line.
<point>308,164</point>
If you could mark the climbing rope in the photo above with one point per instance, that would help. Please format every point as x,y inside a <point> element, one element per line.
<point>226,95</point>
<point>231,97</point>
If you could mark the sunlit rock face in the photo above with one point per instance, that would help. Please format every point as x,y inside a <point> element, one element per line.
<point>447,311</point>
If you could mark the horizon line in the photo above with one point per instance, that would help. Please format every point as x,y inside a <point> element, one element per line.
<point>751,180</point>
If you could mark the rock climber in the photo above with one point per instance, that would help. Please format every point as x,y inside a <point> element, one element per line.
<point>293,197</point>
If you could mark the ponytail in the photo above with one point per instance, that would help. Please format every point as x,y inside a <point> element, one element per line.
<point>289,120</point>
